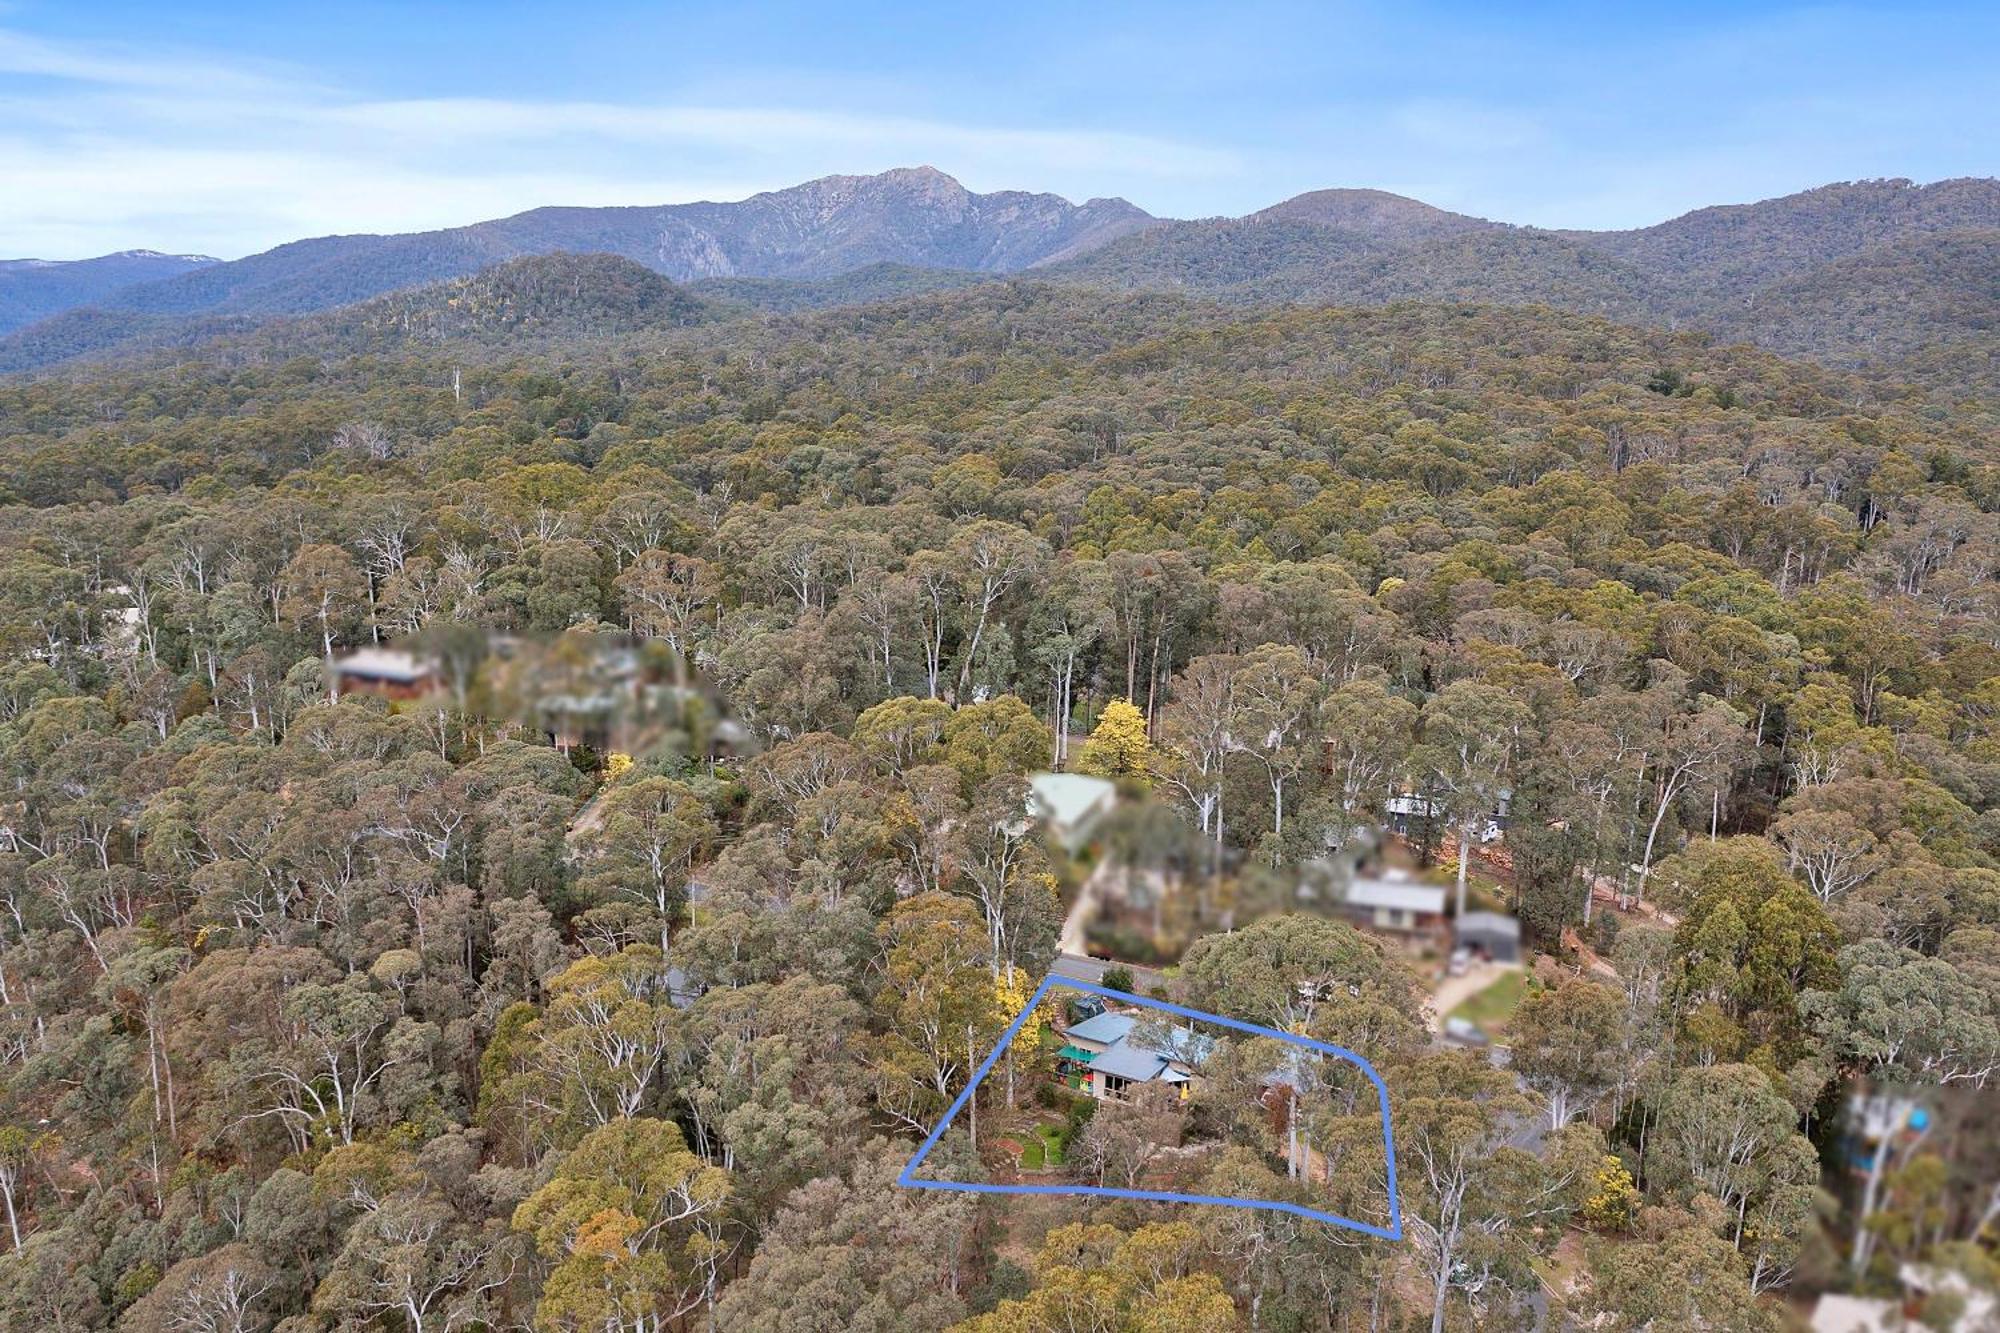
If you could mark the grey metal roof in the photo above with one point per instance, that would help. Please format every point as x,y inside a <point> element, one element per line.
<point>1106,1029</point>
<point>1491,923</point>
<point>1133,1058</point>
<point>1126,1060</point>
<point>1396,895</point>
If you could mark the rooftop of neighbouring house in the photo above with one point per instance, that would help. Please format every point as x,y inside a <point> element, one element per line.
<point>384,664</point>
<point>1066,799</point>
<point>1396,893</point>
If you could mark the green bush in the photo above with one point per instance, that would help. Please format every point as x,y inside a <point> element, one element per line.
<point>1081,1109</point>
<point>1007,1282</point>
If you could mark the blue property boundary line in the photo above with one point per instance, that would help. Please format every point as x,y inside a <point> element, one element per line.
<point>1394,1231</point>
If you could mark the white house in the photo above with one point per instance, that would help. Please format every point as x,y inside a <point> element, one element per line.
<point>1071,804</point>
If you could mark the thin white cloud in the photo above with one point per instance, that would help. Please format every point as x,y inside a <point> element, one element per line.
<point>24,54</point>
<point>472,120</point>
<point>1461,126</point>
<point>185,153</point>
<point>104,147</point>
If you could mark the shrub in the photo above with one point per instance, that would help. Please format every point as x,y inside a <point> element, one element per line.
<point>1007,1282</point>
<point>1080,1111</point>
<point>1615,1201</point>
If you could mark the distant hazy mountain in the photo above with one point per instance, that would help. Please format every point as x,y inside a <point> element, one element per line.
<point>1305,247</point>
<point>916,216</point>
<point>1737,247</point>
<point>32,289</point>
<point>1862,273</point>
<point>1271,258</point>
<point>1930,303</point>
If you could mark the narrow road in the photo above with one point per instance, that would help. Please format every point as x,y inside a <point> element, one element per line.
<point>1080,967</point>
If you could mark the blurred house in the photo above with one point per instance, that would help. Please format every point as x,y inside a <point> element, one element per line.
<point>122,625</point>
<point>1407,812</point>
<point>1879,1120</point>
<point>1966,1308</point>
<point>1071,805</point>
<point>1395,903</point>
<point>1367,882</point>
<point>600,689</point>
<point>389,672</point>
<point>1856,1314</point>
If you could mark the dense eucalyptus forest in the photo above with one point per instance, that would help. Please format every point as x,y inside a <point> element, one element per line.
<point>326,1011</point>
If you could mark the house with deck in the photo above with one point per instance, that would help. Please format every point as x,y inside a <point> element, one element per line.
<point>1111,1053</point>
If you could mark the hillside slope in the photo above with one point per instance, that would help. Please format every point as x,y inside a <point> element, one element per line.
<point>1736,246</point>
<point>1871,273</point>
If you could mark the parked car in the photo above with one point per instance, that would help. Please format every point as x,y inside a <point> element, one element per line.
<point>1460,962</point>
<point>1464,1032</point>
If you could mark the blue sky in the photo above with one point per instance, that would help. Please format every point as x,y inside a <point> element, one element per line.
<point>226,128</point>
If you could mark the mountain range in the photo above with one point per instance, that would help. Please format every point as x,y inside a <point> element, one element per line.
<point>1881,274</point>
<point>32,289</point>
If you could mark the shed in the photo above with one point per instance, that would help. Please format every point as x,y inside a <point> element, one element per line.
<point>1490,934</point>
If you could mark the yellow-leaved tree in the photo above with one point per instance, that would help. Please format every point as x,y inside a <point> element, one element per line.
<point>1119,747</point>
<point>1152,1280</point>
<point>635,1223</point>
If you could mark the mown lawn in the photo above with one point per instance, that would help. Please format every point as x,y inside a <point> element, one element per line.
<point>1492,1007</point>
<point>1045,1148</point>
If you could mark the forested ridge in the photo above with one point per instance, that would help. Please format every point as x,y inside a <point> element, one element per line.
<point>1886,275</point>
<point>342,1013</point>
<point>1890,277</point>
